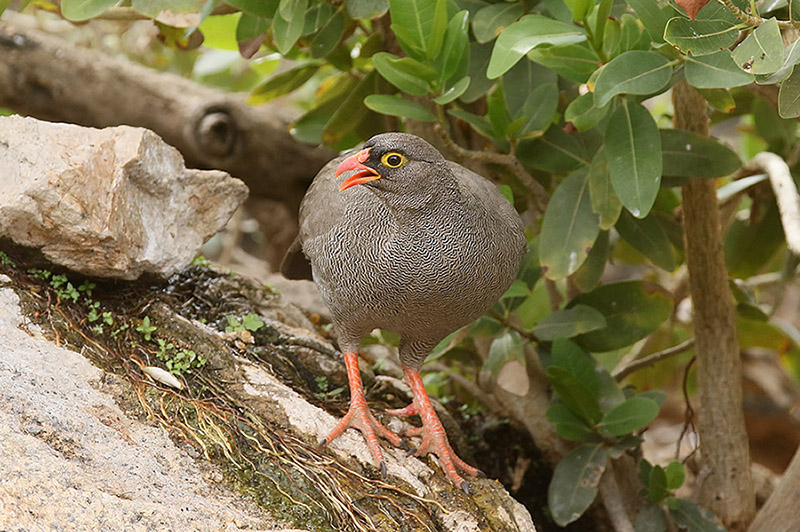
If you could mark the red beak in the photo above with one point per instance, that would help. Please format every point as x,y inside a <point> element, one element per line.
<point>356,162</point>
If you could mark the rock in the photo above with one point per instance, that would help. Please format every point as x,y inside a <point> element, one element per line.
<point>114,202</point>
<point>71,460</point>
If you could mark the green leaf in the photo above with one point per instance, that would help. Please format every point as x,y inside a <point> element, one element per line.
<point>575,62</point>
<point>397,106</point>
<point>574,393</point>
<point>366,8</point>
<point>720,99</point>
<point>568,425</point>
<point>675,475</point>
<point>634,72</point>
<point>701,37</point>
<point>569,229</point>
<point>568,356</point>
<point>590,272</point>
<point>539,110</point>
<point>287,26</point>
<point>569,322</point>
<point>405,73</point>
<point>657,484</point>
<point>791,56</point>
<point>715,71</point>
<point>789,96</point>
<point>633,309</point>
<point>630,416</point>
<point>489,21</point>
<point>648,237</point>
<point>259,8</point>
<point>574,484</point>
<point>329,35</point>
<point>316,16</point>
<point>555,152</point>
<point>690,155</point>
<point>351,112</point>
<point>453,92</point>
<point>498,112</point>
<point>584,113</point>
<point>750,245</point>
<point>479,123</point>
<point>479,84</point>
<point>78,10</point>
<point>419,26</point>
<point>505,348</point>
<point>526,34</point>
<point>692,517</point>
<point>579,8</point>
<point>604,200</point>
<point>283,83</point>
<point>654,16</point>
<point>451,60</point>
<point>650,518</point>
<point>762,51</point>
<point>633,154</point>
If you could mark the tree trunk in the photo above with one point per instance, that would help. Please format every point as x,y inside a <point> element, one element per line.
<point>724,481</point>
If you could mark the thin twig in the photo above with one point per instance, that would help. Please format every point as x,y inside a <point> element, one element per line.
<point>649,360</point>
<point>534,188</point>
<point>785,190</point>
<point>754,20</point>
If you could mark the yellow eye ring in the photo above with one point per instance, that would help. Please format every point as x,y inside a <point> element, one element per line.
<point>393,159</point>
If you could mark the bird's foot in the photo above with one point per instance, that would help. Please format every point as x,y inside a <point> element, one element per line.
<point>359,417</point>
<point>434,437</point>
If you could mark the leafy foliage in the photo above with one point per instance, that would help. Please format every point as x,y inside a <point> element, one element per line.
<point>573,98</point>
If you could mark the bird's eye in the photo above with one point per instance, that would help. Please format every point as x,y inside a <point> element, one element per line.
<point>393,160</point>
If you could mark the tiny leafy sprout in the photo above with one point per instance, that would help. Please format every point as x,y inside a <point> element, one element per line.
<point>201,261</point>
<point>118,330</point>
<point>322,383</point>
<point>163,347</point>
<point>87,287</point>
<point>98,329</point>
<point>250,322</point>
<point>108,319</point>
<point>93,315</point>
<point>6,261</point>
<point>184,361</point>
<point>40,274</point>
<point>146,329</point>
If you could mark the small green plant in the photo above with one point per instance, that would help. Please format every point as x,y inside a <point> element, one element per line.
<point>178,361</point>
<point>322,383</point>
<point>116,332</point>
<point>201,261</point>
<point>87,287</point>
<point>250,322</point>
<point>146,329</point>
<point>6,261</point>
<point>64,288</point>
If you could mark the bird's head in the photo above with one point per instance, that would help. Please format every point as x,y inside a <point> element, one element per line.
<point>395,162</point>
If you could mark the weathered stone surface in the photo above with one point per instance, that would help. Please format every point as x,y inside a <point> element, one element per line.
<point>71,460</point>
<point>114,202</point>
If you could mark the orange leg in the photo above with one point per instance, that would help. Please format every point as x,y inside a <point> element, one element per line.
<point>434,438</point>
<point>359,417</point>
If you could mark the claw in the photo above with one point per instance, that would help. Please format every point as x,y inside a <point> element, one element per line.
<point>464,486</point>
<point>383,469</point>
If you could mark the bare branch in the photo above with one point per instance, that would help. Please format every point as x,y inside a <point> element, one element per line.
<point>785,190</point>
<point>650,360</point>
<point>612,501</point>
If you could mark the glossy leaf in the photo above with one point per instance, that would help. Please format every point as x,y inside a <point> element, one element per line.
<point>526,34</point>
<point>329,35</point>
<point>657,484</point>
<point>405,73</point>
<point>604,200</point>
<point>453,92</point>
<point>351,112</point>
<point>630,416</point>
<point>479,123</point>
<point>574,393</point>
<point>452,59</point>
<point>539,110</point>
<point>287,26</point>
<point>633,154</point>
<point>690,155</point>
<point>762,51</point>
<point>489,21</point>
<point>749,246</point>
<point>283,83</point>
<point>654,16</point>
<point>701,37</point>
<point>584,113</point>
<point>574,484</point>
<point>789,96</point>
<point>366,8</point>
<point>567,355</point>
<point>479,84</point>
<point>78,10</point>
<point>505,348</point>
<point>791,56</point>
<point>569,228</point>
<point>588,275</point>
<point>633,309</point>
<point>397,106</point>
<point>568,425</point>
<point>419,26</point>
<point>575,62</point>
<point>648,237</point>
<point>555,152</point>
<point>675,474</point>
<point>692,517</point>
<point>715,71</point>
<point>569,322</point>
<point>634,72</point>
<point>259,8</point>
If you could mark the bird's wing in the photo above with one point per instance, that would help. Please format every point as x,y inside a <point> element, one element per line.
<point>321,207</point>
<point>482,189</point>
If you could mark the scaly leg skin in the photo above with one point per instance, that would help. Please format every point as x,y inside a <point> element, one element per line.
<point>434,438</point>
<point>359,417</point>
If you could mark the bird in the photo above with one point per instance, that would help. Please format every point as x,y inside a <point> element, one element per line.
<point>397,237</point>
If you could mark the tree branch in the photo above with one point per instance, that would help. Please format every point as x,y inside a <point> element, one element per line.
<point>785,190</point>
<point>650,360</point>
